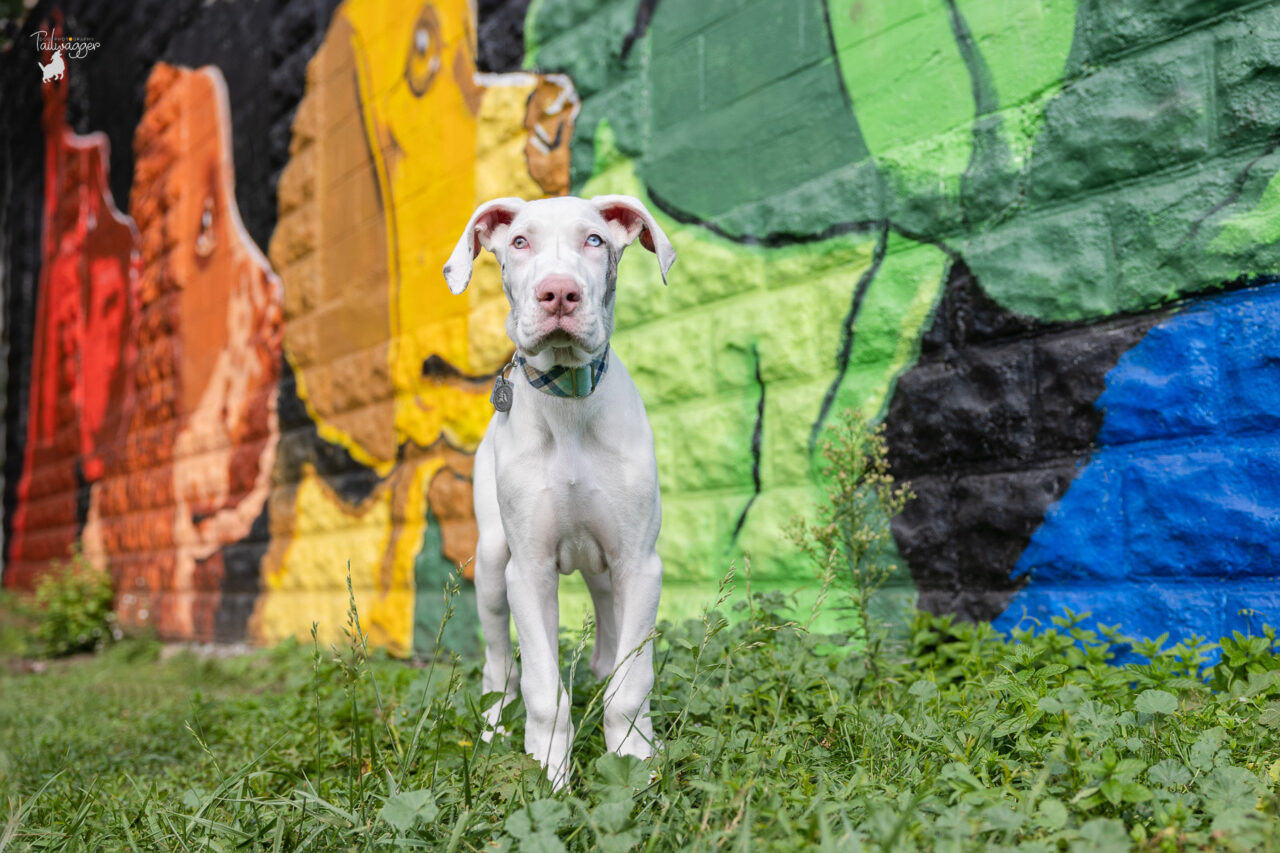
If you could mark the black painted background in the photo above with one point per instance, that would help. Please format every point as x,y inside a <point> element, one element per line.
<point>990,426</point>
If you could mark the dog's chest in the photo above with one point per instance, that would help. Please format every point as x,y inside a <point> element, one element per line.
<point>562,492</point>
<point>578,523</point>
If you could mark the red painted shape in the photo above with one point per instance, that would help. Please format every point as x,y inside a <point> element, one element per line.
<point>82,343</point>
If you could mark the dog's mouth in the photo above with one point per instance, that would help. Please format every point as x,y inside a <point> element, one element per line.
<point>563,331</point>
<point>566,347</point>
<point>561,337</point>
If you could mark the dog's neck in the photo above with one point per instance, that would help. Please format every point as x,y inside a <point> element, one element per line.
<point>569,356</point>
<point>561,380</point>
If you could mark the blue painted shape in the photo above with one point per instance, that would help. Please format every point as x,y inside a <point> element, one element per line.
<point>1250,332</point>
<point>1168,384</point>
<point>1202,514</point>
<point>1079,552</point>
<point>1173,525</point>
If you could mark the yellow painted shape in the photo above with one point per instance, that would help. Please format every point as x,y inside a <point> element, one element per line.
<point>501,170</point>
<point>425,148</point>
<point>415,524</point>
<point>327,537</point>
<point>501,136</point>
<point>331,433</point>
<point>436,161</point>
<point>452,411</point>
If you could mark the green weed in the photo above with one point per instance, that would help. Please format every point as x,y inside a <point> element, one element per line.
<point>773,736</point>
<point>72,609</point>
<point>964,740</point>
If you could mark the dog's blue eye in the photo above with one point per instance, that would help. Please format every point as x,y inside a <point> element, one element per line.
<point>519,243</point>
<point>594,240</point>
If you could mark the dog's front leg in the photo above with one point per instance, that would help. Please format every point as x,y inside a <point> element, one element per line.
<point>637,585</point>
<point>532,588</point>
<point>500,672</point>
<point>492,554</point>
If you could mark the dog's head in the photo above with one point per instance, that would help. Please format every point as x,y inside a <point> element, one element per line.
<point>559,259</point>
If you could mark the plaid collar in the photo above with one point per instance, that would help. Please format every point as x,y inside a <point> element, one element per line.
<point>561,381</point>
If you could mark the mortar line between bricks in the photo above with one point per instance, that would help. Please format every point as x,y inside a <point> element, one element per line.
<point>735,104</point>
<point>1203,24</point>
<point>1110,322</point>
<point>1147,448</point>
<point>741,491</point>
<point>951,240</point>
<point>1167,175</point>
<point>570,35</point>
<point>1211,75</point>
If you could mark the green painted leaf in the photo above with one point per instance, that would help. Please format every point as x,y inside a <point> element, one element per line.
<point>406,809</point>
<point>908,82</point>
<point>1024,46</point>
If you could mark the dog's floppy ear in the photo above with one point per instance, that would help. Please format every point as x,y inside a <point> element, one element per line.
<point>628,218</point>
<point>486,228</point>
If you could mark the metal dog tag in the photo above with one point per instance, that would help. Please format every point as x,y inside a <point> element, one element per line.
<point>501,396</point>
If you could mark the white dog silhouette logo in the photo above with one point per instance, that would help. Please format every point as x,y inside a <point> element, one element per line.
<point>55,69</point>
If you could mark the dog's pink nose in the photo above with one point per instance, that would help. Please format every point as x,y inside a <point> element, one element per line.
<point>559,295</point>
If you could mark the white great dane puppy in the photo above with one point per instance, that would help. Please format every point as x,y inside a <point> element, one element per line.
<point>565,477</point>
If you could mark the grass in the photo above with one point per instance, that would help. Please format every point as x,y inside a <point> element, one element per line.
<point>775,738</point>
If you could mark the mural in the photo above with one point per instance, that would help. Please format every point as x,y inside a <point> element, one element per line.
<point>1003,229</point>
<point>1188,411</point>
<point>83,347</point>
<point>396,141</point>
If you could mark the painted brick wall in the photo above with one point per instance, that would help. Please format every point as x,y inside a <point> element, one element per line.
<point>1038,239</point>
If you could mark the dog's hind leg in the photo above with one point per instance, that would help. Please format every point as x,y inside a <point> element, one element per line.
<point>500,672</point>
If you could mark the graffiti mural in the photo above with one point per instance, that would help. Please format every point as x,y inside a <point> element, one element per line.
<point>1037,241</point>
<point>83,345</point>
<point>194,465</point>
<point>389,369</point>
